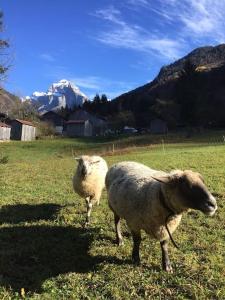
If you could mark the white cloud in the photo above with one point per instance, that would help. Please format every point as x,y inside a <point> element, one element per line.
<point>90,82</point>
<point>129,36</point>
<point>91,85</point>
<point>100,84</point>
<point>138,3</point>
<point>47,57</point>
<point>110,14</point>
<point>200,19</point>
<point>94,84</point>
<point>178,26</point>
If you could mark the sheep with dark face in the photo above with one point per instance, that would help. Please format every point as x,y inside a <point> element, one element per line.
<point>154,201</point>
<point>89,180</point>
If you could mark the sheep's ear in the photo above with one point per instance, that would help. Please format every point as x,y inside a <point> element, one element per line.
<point>201,177</point>
<point>171,179</point>
<point>162,179</point>
<point>73,155</point>
<point>95,162</point>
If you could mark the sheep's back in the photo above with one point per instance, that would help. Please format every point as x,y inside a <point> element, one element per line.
<point>134,195</point>
<point>136,172</point>
<point>130,189</point>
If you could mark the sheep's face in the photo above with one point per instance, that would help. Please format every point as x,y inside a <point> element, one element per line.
<point>187,190</point>
<point>85,165</point>
<point>193,193</point>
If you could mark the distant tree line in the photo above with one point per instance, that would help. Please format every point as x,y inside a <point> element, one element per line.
<point>194,99</point>
<point>99,105</point>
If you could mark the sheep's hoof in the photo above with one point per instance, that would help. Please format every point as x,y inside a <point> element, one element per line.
<point>119,242</point>
<point>86,224</point>
<point>168,269</point>
<point>136,261</point>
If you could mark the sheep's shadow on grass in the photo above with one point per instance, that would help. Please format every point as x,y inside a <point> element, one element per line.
<point>31,254</point>
<point>14,214</point>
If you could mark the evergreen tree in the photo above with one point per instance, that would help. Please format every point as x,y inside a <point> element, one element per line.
<point>97,99</point>
<point>104,98</point>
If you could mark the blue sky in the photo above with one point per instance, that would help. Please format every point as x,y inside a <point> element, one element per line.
<point>104,46</point>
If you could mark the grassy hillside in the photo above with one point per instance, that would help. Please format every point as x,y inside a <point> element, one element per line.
<point>46,254</point>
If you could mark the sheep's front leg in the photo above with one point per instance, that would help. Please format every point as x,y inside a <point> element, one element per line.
<point>165,257</point>
<point>119,237</point>
<point>89,208</point>
<point>137,241</point>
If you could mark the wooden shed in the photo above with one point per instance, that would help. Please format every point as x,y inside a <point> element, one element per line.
<point>5,131</point>
<point>76,128</point>
<point>99,126</point>
<point>23,130</point>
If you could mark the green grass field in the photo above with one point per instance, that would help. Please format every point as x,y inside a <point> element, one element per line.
<point>46,254</point>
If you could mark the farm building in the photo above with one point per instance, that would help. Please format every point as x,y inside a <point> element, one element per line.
<point>76,128</point>
<point>55,120</point>
<point>5,131</point>
<point>22,130</point>
<point>99,126</point>
<point>158,126</point>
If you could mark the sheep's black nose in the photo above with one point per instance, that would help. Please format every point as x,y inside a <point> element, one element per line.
<point>210,206</point>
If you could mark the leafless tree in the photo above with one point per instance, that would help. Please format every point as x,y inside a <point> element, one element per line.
<point>4,55</point>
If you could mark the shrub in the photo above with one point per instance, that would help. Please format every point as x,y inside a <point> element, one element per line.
<point>45,129</point>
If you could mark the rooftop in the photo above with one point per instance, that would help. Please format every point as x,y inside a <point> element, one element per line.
<point>75,122</point>
<point>25,122</point>
<point>4,125</point>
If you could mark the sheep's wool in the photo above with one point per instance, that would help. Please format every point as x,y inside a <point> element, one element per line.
<point>134,196</point>
<point>92,184</point>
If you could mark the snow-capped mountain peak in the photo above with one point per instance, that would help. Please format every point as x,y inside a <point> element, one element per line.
<point>60,85</point>
<point>38,94</point>
<point>60,94</point>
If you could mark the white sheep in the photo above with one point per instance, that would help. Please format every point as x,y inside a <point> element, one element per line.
<point>154,201</point>
<point>89,180</point>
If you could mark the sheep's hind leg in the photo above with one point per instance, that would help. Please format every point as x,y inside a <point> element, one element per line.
<point>119,237</point>
<point>89,209</point>
<point>165,257</point>
<point>137,241</point>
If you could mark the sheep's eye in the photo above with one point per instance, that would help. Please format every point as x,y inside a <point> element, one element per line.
<point>188,184</point>
<point>183,181</point>
<point>185,186</point>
